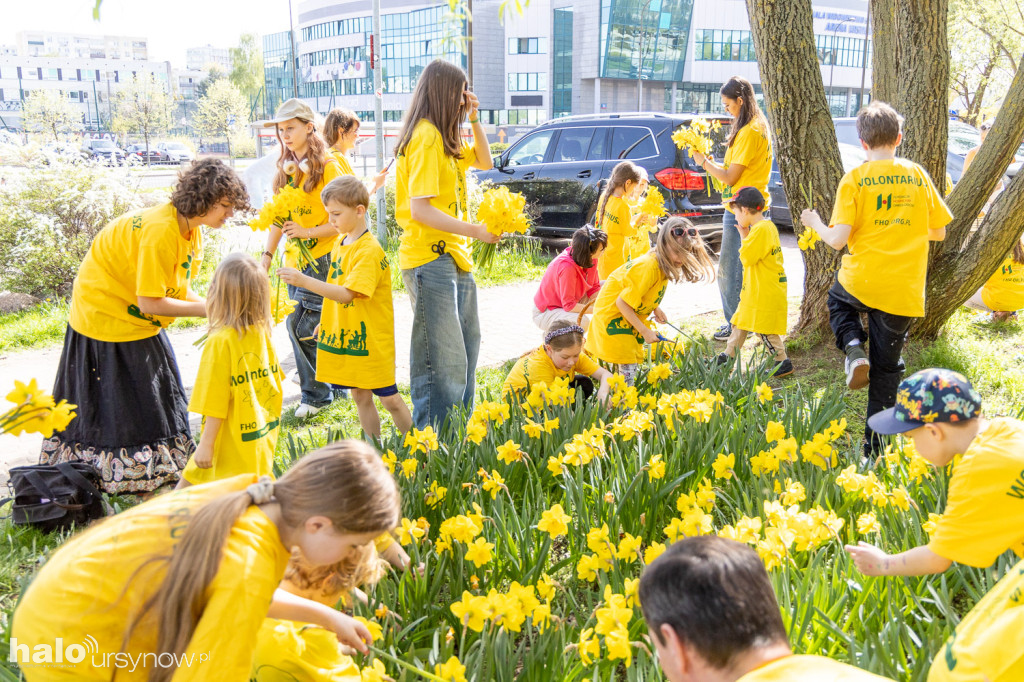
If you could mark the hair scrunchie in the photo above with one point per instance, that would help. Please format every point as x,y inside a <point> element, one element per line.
<point>573,329</point>
<point>261,491</point>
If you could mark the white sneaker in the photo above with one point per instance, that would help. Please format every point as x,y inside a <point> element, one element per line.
<point>857,373</point>
<point>295,378</point>
<point>306,411</point>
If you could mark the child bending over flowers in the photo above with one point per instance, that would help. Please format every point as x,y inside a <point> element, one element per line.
<point>561,356</point>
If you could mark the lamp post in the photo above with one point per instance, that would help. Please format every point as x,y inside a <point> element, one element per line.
<point>832,69</point>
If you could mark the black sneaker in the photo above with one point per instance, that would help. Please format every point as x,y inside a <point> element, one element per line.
<point>783,369</point>
<point>857,367</point>
<point>723,333</point>
<point>723,359</point>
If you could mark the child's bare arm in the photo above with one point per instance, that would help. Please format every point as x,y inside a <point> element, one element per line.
<point>871,560</point>
<point>203,456</point>
<point>937,235</point>
<point>650,336</point>
<point>287,606</point>
<point>331,291</point>
<point>835,236</point>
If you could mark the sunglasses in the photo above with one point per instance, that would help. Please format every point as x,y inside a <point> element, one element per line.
<point>680,231</point>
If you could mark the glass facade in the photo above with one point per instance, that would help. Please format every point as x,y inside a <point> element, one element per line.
<point>644,38</point>
<point>723,46</point>
<point>528,45</point>
<point>561,62</point>
<point>841,50</point>
<point>277,71</point>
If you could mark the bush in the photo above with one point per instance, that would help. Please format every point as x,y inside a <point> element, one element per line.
<point>48,218</point>
<point>498,147</point>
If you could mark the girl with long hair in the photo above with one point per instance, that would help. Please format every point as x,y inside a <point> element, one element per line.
<point>436,249</point>
<point>748,162</point>
<point>615,217</point>
<point>341,130</point>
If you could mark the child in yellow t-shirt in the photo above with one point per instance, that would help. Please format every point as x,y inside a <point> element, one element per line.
<point>238,388</point>
<point>984,516</point>
<point>356,338</point>
<point>1003,293</point>
<point>887,211</point>
<point>762,308</point>
<point>561,356</point>
<point>619,328</point>
<point>615,218</point>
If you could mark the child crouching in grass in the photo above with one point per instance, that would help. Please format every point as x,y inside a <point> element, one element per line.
<point>356,337</point>
<point>561,356</point>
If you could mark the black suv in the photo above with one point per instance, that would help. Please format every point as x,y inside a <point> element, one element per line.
<point>562,166</point>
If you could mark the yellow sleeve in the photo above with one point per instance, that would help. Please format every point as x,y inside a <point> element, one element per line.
<point>938,213</point>
<point>516,379</point>
<point>755,247</point>
<point>845,210</point>
<point>157,263</point>
<point>744,147</point>
<point>211,394</point>
<point>343,163</point>
<point>586,365</point>
<point>333,170</point>
<point>638,282</point>
<point>626,219</point>
<point>383,542</point>
<point>424,157</point>
<point>364,273</point>
<point>468,157</point>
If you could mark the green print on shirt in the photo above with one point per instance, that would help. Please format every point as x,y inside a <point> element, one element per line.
<point>187,266</point>
<point>259,433</point>
<point>134,311</point>
<point>311,243</point>
<point>336,270</point>
<point>619,327</point>
<point>884,201</point>
<point>333,343</point>
<point>384,263</point>
<point>136,223</point>
<point>1017,487</point>
<point>890,180</point>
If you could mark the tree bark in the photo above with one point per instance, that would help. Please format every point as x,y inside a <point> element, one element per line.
<point>804,138</point>
<point>885,55</point>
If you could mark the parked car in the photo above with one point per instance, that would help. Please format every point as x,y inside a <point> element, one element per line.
<point>175,152</point>
<point>104,151</point>
<point>136,154</point>
<point>60,152</point>
<point>852,157</point>
<point>562,166</point>
<point>7,137</point>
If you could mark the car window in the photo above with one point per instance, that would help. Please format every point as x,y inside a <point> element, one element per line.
<point>638,141</point>
<point>846,133</point>
<point>962,138</point>
<point>573,144</point>
<point>531,149</point>
<point>599,145</point>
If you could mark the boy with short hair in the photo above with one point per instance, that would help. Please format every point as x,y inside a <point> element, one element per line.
<point>356,335</point>
<point>713,617</point>
<point>984,517</point>
<point>887,211</point>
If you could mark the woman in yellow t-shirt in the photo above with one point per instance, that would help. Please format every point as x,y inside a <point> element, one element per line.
<point>238,389</point>
<point>1003,293</point>
<point>561,356</point>
<point>117,365</point>
<point>436,248</point>
<point>306,163</point>
<point>747,163</point>
<point>341,129</point>
<point>619,328</point>
<point>615,217</point>
<point>218,551</point>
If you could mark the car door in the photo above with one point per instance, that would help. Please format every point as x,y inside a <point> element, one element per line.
<point>568,181</point>
<point>520,166</point>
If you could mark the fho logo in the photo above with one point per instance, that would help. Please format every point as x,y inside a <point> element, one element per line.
<point>55,653</point>
<point>884,201</point>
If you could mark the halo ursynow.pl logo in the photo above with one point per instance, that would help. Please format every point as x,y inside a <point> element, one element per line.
<point>58,655</point>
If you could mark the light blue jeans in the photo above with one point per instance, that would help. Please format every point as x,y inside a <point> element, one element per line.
<point>301,323</point>
<point>445,339</point>
<point>730,270</point>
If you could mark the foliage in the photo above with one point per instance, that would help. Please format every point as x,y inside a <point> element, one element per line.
<point>214,73</point>
<point>247,65</point>
<point>51,112</point>
<point>48,217</point>
<point>986,42</point>
<point>222,112</point>
<point>142,107</point>
<point>498,147</point>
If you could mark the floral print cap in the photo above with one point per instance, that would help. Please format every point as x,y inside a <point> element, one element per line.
<point>928,396</point>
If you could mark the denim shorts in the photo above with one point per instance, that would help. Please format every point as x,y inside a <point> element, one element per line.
<point>379,392</point>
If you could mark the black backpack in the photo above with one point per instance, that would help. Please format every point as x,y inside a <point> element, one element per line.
<point>53,497</point>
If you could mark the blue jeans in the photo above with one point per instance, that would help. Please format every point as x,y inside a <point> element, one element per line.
<point>445,339</point>
<point>730,270</point>
<point>301,323</point>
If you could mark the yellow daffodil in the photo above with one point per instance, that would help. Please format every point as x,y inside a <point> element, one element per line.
<point>435,494</point>
<point>653,551</point>
<point>774,432</point>
<point>868,523</point>
<point>410,466</point>
<point>554,521</point>
<point>587,567</point>
<point>723,465</point>
<point>480,552</point>
<point>932,523</point>
<point>546,587</point>
<point>659,372</point>
<point>589,647</point>
<point>421,441</point>
<point>451,670</point>
<point>656,468</point>
<point>764,393</point>
<point>629,548</point>
<point>376,631</point>
<point>509,452</point>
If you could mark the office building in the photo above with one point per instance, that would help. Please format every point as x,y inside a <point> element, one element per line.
<point>81,46</point>
<point>200,58</point>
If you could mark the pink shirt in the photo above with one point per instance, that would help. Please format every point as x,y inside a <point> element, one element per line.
<point>565,283</point>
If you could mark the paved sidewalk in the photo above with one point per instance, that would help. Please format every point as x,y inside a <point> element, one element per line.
<point>506,330</point>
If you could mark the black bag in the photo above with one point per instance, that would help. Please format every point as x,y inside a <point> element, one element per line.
<point>53,497</point>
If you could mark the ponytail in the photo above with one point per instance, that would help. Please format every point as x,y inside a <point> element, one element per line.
<point>585,241</point>
<point>625,171</point>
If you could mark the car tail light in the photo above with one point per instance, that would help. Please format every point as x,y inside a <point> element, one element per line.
<point>691,214</point>
<point>680,179</point>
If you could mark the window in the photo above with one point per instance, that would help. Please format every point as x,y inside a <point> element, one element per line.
<point>527,82</point>
<point>527,45</point>
<point>841,50</point>
<point>51,74</point>
<point>632,143</point>
<point>573,144</point>
<point>531,150</point>
<point>723,46</point>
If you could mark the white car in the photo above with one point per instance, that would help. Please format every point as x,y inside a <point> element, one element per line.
<point>175,152</point>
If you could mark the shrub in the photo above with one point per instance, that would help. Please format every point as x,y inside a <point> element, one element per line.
<point>498,147</point>
<point>48,218</point>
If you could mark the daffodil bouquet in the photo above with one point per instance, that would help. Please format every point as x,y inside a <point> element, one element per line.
<point>653,206</point>
<point>697,137</point>
<point>502,212</point>
<point>809,238</point>
<point>35,411</point>
<point>279,210</point>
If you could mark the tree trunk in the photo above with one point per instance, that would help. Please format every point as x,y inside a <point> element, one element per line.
<point>961,264</point>
<point>885,55</point>
<point>804,139</point>
<point>922,77</point>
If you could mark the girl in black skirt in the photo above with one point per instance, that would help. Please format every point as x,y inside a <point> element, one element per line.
<point>117,364</point>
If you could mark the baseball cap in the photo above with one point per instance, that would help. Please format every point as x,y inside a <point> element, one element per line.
<point>749,198</point>
<point>926,397</point>
<point>292,108</point>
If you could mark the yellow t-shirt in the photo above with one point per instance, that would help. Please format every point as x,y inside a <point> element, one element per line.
<point>989,642</point>
<point>617,222</point>
<point>342,159</point>
<point>537,367</point>
<point>287,651</point>
<point>752,149</point>
<point>1004,290</point>
<point>314,213</point>
<point>890,205</point>
<point>984,513</point>
<point>239,381</point>
<point>762,307</point>
<point>139,254</point>
<point>641,284</point>
<point>80,594</point>
<point>356,346</point>
<point>808,669</point>
<point>424,170</point>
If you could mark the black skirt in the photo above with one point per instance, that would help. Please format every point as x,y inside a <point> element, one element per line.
<point>132,415</point>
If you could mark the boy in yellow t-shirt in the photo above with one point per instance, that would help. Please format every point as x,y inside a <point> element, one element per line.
<point>887,211</point>
<point>762,308</point>
<point>712,615</point>
<point>984,516</point>
<point>1003,293</point>
<point>356,337</point>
